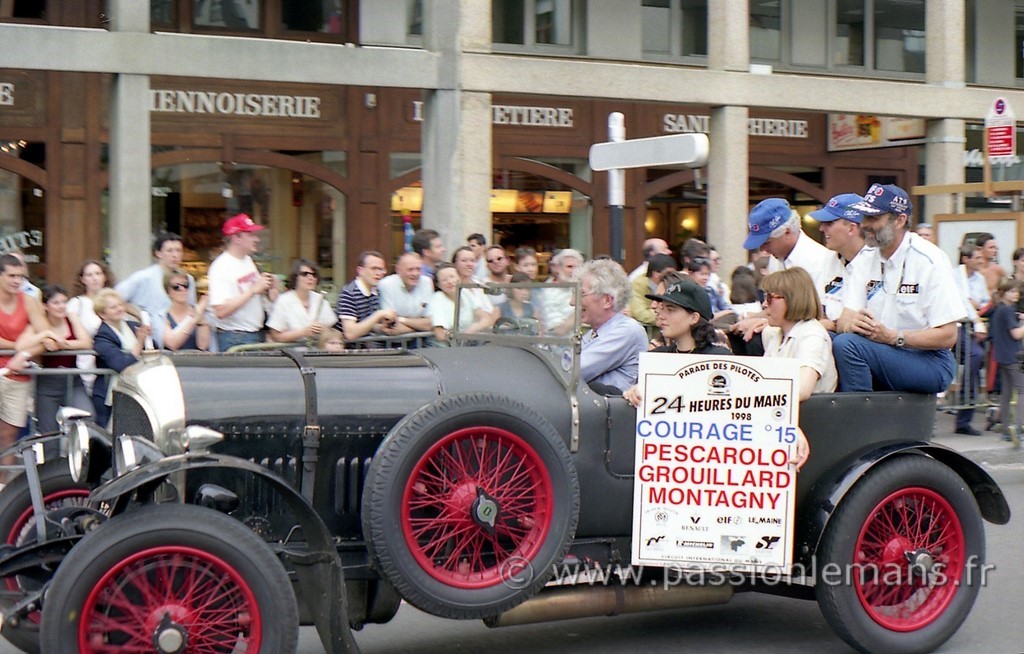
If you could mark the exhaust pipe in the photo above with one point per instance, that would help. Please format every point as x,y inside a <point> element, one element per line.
<point>569,603</point>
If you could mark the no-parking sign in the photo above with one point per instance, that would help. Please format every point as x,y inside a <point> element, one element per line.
<point>1001,129</point>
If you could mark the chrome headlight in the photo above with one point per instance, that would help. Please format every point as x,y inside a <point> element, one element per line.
<point>196,438</point>
<point>132,452</point>
<point>77,433</point>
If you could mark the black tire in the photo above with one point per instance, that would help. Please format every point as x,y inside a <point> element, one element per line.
<point>439,541</point>
<point>236,585</point>
<point>18,528</point>
<point>905,553</point>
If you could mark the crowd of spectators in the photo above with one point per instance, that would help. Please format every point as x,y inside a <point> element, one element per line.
<point>869,309</point>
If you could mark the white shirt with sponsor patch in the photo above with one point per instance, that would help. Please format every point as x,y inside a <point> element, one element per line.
<point>822,264</point>
<point>835,293</point>
<point>914,289</point>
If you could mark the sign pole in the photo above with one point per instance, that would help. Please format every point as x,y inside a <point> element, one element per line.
<point>616,190</point>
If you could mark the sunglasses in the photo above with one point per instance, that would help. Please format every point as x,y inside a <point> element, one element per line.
<point>771,297</point>
<point>496,260</point>
<point>178,287</point>
<point>309,273</point>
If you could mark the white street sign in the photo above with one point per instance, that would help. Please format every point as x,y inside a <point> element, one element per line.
<point>1001,129</point>
<point>675,149</point>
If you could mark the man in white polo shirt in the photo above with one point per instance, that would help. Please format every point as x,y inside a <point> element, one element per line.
<point>407,293</point>
<point>906,304</point>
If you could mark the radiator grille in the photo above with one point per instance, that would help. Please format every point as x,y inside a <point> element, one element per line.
<point>128,417</point>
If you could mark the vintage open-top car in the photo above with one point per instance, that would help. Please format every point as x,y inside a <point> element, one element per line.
<point>460,479</point>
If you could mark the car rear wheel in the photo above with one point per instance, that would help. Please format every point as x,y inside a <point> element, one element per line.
<point>902,559</point>
<point>18,527</point>
<point>170,578</point>
<point>469,503</point>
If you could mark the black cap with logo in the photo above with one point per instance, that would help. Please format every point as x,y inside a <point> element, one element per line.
<point>687,294</point>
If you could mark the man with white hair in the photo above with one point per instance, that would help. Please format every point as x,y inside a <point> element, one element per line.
<point>610,351</point>
<point>652,246</point>
<point>556,312</point>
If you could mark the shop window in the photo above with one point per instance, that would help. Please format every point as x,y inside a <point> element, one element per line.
<point>533,22</point>
<point>23,207</point>
<point>850,33</point>
<point>675,27</point>
<point>766,30</point>
<point>237,15</point>
<point>899,35</point>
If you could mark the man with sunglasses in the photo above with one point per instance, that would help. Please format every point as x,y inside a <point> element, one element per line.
<point>145,288</point>
<point>906,304</point>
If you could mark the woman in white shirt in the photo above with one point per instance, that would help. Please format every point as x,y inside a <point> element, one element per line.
<point>93,277</point>
<point>301,312</point>
<point>793,309</point>
<point>473,316</point>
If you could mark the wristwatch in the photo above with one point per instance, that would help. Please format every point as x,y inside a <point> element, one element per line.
<point>900,341</point>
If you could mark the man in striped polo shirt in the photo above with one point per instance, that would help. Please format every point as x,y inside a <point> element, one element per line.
<point>359,309</point>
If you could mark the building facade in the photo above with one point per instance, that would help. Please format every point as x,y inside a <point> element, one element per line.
<point>336,122</point>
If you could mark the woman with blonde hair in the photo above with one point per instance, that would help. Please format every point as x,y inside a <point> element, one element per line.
<point>793,309</point>
<point>118,344</point>
<point>185,326</point>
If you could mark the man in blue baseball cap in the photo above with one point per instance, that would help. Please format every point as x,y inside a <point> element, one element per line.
<point>774,228</point>
<point>906,305</point>
<point>840,224</point>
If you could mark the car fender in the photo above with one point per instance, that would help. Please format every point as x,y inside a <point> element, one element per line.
<point>828,491</point>
<point>319,569</point>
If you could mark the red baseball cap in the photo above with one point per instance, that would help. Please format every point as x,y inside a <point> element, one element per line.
<point>240,223</point>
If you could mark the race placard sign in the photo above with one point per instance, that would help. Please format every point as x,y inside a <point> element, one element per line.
<point>714,486</point>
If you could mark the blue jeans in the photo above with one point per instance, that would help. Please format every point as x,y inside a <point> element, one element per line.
<point>229,339</point>
<point>864,365</point>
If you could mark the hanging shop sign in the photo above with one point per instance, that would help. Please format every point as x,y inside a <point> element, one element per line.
<point>866,131</point>
<point>6,94</point>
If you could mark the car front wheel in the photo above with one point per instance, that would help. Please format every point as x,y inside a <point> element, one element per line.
<point>468,504</point>
<point>170,578</point>
<point>902,559</point>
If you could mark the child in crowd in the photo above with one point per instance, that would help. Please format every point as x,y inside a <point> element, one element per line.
<point>1006,332</point>
<point>331,340</point>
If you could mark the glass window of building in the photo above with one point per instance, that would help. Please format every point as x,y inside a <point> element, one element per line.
<point>899,35</point>
<point>162,13</point>
<point>30,9</point>
<point>533,22</point>
<point>850,33</point>
<point>675,27</point>
<point>415,22</point>
<point>1019,52</point>
<point>23,206</point>
<point>766,30</point>
<point>312,16</point>
<point>241,15</point>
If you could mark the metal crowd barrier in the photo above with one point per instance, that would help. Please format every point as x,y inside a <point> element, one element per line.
<point>960,394</point>
<point>411,340</point>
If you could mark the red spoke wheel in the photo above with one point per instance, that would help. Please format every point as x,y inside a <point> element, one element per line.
<point>170,577</point>
<point>18,528</point>
<point>901,561</point>
<point>903,552</point>
<point>468,504</point>
<point>478,501</point>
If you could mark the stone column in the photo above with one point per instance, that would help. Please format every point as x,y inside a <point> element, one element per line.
<point>456,129</point>
<point>728,164</point>
<point>130,161</point>
<point>728,185</point>
<point>945,66</point>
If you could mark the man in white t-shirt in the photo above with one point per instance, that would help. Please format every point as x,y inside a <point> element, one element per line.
<point>840,225</point>
<point>238,290</point>
<point>906,303</point>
